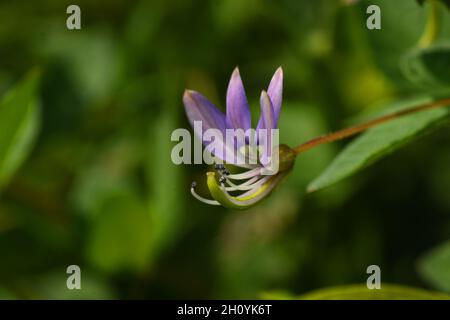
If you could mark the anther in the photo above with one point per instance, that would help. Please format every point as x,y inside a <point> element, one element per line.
<point>219,167</point>
<point>193,184</point>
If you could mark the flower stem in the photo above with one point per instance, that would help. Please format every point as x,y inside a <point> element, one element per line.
<point>347,132</point>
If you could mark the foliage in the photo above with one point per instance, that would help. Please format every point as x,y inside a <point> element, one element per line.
<point>434,267</point>
<point>19,122</point>
<point>361,292</point>
<point>380,141</point>
<point>85,170</point>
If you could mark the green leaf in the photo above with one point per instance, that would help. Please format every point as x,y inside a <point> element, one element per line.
<point>379,141</point>
<point>168,193</point>
<point>435,267</point>
<point>428,67</point>
<point>446,2</point>
<point>121,236</point>
<point>164,177</point>
<point>402,35</point>
<point>19,122</point>
<point>361,292</point>
<point>277,295</point>
<point>94,72</point>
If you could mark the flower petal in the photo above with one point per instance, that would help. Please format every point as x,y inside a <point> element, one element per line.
<point>266,123</point>
<point>238,112</point>
<point>267,118</point>
<point>199,108</point>
<point>275,92</point>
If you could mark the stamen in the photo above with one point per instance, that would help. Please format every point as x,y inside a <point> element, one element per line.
<point>243,187</point>
<point>200,198</point>
<point>254,195</point>
<point>252,192</point>
<point>245,175</point>
<point>222,179</point>
<point>219,167</point>
<point>246,183</point>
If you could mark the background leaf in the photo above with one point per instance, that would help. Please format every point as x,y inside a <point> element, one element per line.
<point>435,267</point>
<point>18,126</point>
<point>163,176</point>
<point>379,141</point>
<point>446,2</point>
<point>428,67</point>
<point>99,189</point>
<point>402,36</point>
<point>120,238</point>
<point>361,292</point>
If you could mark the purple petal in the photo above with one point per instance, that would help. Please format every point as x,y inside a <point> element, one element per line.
<point>275,92</point>
<point>267,118</point>
<point>199,108</point>
<point>266,122</point>
<point>238,112</point>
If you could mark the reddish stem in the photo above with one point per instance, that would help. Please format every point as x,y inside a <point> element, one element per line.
<point>347,132</point>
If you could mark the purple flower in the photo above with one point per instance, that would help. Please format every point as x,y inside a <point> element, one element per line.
<point>257,145</point>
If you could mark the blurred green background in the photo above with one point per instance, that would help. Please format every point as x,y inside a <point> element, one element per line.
<point>98,188</point>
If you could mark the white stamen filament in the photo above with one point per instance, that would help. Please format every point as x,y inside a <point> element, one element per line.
<point>245,175</point>
<point>238,200</point>
<point>204,200</point>
<point>246,183</point>
<point>257,184</point>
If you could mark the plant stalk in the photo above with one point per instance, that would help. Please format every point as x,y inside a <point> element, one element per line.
<point>347,132</point>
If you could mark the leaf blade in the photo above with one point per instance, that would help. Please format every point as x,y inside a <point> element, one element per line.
<point>378,142</point>
<point>434,267</point>
<point>361,292</point>
<point>19,124</point>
